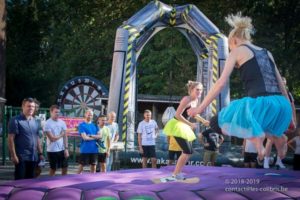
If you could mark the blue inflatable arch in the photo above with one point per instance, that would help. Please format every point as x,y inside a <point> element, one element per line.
<point>208,44</point>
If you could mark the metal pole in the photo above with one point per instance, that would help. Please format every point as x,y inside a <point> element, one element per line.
<point>74,149</point>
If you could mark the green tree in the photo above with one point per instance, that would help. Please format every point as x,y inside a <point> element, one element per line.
<point>166,64</point>
<point>50,42</point>
<point>2,47</point>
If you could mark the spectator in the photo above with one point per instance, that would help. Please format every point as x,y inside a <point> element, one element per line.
<point>147,133</point>
<point>250,154</point>
<point>104,148</point>
<point>41,163</point>
<point>174,150</point>
<point>57,142</point>
<point>211,141</point>
<point>23,141</point>
<point>88,147</point>
<point>114,135</point>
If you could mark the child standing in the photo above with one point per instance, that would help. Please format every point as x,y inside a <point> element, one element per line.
<point>250,154</point>
<point>182,129</point>
<point>212,142</point>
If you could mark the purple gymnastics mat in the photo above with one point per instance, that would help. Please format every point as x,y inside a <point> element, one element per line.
<point>215,183</point>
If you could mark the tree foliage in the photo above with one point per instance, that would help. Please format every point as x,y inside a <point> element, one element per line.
<point>50,42</point>
<point>166,64</point>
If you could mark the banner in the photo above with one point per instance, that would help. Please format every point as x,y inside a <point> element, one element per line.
<point>72,125</point>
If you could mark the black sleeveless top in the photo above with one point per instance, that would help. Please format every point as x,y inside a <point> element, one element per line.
<point>258,75</point>
<point>185,114</point>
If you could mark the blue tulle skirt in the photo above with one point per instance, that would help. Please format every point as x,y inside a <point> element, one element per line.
<point>254,117</point>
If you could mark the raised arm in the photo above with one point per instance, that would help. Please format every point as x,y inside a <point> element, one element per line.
<point>218,86</point>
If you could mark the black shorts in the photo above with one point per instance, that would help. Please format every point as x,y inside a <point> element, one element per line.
<point>173,153</point>
<point>250,157</point>
<point>149,151</point>
<point>102,157</point>
<point>88,158</point>
<point>185,145</point>
<point>57,160</point>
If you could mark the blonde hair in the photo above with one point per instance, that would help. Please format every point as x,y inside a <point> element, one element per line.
<point>242,26</point>
<point>192,84</point>
<point>111,113</point>
<point>147,111</point>
<point>89,110</point>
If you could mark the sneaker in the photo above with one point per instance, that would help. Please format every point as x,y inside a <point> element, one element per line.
<point>259,162</point>
<point>179,177</point>
<point>41,163</point>
<point>266,163</point>
<point>168,179</point>
<point>279,164</point>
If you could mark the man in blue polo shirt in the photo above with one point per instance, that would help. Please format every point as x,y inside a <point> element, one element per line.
<point>23,141</point>
<point>88,147</point>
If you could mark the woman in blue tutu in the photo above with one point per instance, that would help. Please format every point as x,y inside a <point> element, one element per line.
<point>265,110</point>
<point>182,129</point>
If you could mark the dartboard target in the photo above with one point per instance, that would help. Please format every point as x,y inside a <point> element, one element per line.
<point>81,93</point>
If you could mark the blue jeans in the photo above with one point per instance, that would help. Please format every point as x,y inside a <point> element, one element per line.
<point>109,161</point>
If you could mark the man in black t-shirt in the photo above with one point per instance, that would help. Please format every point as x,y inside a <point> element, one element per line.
<point>211,141</point>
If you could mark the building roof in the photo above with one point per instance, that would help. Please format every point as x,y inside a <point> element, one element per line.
<point>154,98</point>
<point>2,100</point>
<point>158,98</point>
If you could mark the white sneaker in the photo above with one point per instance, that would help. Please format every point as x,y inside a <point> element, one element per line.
<point>279,163</point>
<point>167,179</point>
<point>41,163</point>
<point>266,163</point>
<point>179,177</point>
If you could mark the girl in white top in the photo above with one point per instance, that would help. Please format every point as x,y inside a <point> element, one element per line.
<point>296,139</point>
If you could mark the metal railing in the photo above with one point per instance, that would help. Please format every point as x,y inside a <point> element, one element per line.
<point>9,112</point>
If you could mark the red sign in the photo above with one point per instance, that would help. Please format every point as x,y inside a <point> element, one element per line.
<point>72,125</point>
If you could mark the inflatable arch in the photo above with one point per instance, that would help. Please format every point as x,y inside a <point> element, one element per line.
<point>208,44</point>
